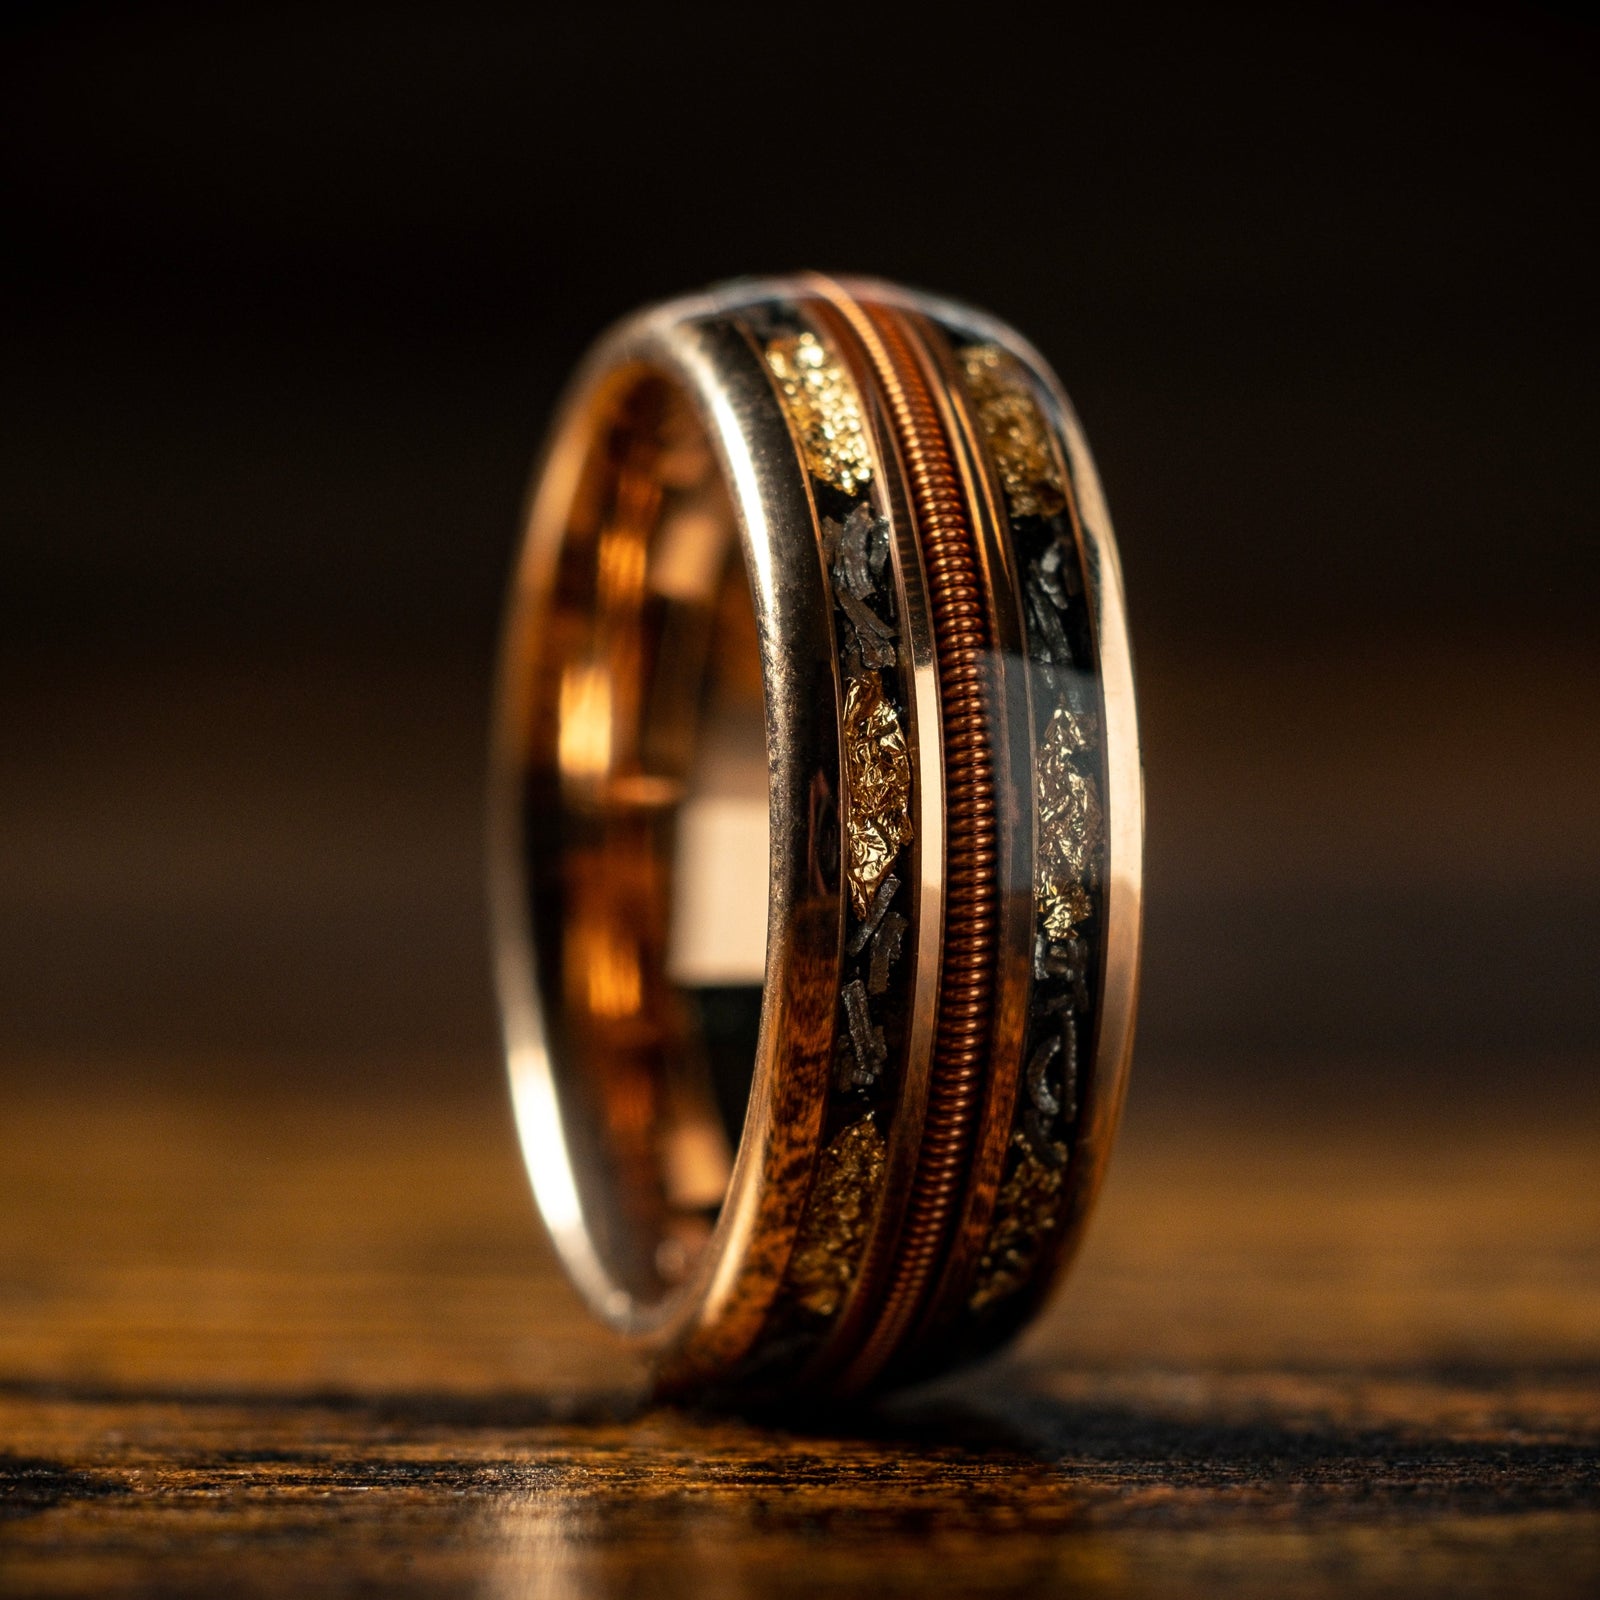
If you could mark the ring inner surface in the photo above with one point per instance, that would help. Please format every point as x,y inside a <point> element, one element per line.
<point>646,835</point>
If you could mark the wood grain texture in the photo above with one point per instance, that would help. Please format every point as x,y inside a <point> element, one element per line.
<point>257,1342</point>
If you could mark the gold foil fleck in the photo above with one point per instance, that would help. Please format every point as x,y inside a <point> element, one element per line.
<point>1070,825</point>
<point>1018,438</point>
<point>1026,1214</point>
<point>877,773</point>
<point>825,409</point>
<point>838,1213</point>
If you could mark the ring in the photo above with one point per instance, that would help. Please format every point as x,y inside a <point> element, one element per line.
<point>816,835</point>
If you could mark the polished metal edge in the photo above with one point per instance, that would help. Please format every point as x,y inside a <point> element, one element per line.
<point>709,1320</point>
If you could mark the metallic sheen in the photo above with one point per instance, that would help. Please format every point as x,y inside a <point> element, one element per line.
<point>850,535</point>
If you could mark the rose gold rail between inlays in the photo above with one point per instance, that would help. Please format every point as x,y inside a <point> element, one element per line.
<point>962,1033</point>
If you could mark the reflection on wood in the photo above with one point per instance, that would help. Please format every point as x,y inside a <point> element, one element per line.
<point>313,1343</point>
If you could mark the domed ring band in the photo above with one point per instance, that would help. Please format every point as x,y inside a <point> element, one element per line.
<point>817,825</point>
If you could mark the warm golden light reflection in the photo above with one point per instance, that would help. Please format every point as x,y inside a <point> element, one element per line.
<point>620,566</point>
<point>603,968</point>
<point>542,1539</point>
<point>586,722</point>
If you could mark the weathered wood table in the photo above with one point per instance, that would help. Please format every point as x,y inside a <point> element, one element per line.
<point>299,1339</point>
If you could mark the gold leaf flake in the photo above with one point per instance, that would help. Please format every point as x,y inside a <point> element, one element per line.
<point>1026,1214</point>
<point>877,773</point>
<point>838,1213</point>
<point>1018,438</point>
<point>825,409</point>
<point>1070,825</point>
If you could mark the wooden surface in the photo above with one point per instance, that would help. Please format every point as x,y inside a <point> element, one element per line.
<point>309,1340</point>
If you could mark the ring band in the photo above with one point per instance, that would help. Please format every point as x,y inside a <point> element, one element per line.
<point>816,821</point>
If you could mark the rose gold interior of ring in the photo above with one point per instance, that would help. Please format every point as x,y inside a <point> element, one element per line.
<point>646,834</point>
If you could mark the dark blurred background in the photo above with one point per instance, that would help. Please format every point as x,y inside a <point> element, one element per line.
<point>290,292</point>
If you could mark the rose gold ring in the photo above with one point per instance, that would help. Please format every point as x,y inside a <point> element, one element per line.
<point>817,825</point>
